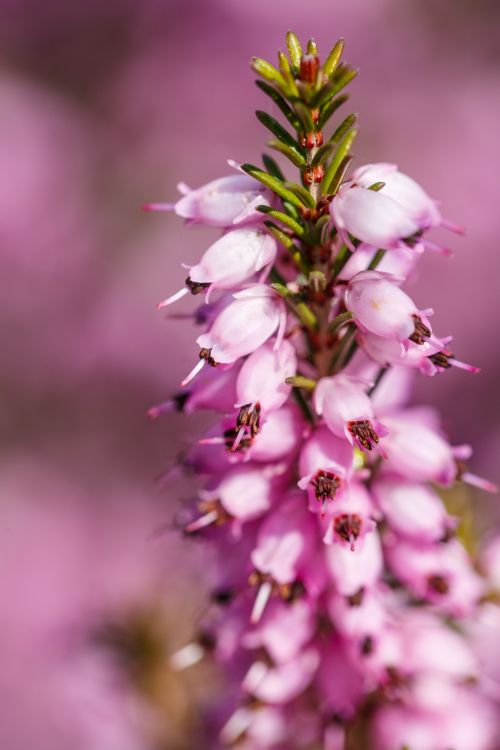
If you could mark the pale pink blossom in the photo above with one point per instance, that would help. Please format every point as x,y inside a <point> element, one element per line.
<point>262,377</point>
<point>220,203</point>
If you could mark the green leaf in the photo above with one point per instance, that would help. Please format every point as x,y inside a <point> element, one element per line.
<point>342,151</point>
<point>339,174</point>
<point>330,108</point>
<point>272,167</point>
<point>323,153</point>
<point>294,50</point>
<point>304,115</point>
<point>273,184</point>
<point>342,129</point>
<point>333,58</point>
<point>291,210</point>
<point>337,323</point>
<point>301,192</point>
<point>281,104</point>
<point>325,93</point>
<point>312,48</point>
<point>267,71</point>
<point>299,381</point>
<point>376,259</point>
<point>277,130</point>
<point>291,153</point>
<point>346,75</point>
<point>284,63</point>
<point>377,186</point>
<point>289,244</point>
<point>284,218</point>
<point>282,290</point>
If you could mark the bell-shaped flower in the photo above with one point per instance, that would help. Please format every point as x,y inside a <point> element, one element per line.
<point>348,411</point>
<point>428,357</point>
<point>351,517</point>
<point>437,713</point>
<point>382,308</point>
<point>352,571</point>
<point>220,203</point>
<point>215,389</point>
<point>325,465</point>
<point>372,218</point>
<point>412,509</point>
<point>229,261</point>
<point>262,377</point>
<point>440,573</point>
<point>416,450</point>
<point>286,542</point>
<point>244,325</point>
<point>400,263</point>
<point>341,683</point>
<point>281,683</point>
<point>284,630</point>
<point>405,191</point>
<point>243,493</point>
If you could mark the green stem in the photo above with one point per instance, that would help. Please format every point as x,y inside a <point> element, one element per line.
<point>376,260</point>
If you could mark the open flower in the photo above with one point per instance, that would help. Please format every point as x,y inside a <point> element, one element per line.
<point>220,203</point>
<point>382,308</point>
<point>348,412</point>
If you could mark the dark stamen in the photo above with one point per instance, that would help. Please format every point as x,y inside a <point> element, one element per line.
<point>421,331</point>
<point>363,434</point>
<point>438,583</point>
<point>348,527</point>
<point>195,287</point>
<point>206,354</point>
<point>249,418</point>
<point>231,435</point>
<point>440,359</point>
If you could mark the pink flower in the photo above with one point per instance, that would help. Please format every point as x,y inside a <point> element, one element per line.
<point>232,259</point>
<point>281,683</point>
<point>429,357</point>
<point>262,377</point>
<point>382,308</point>
<point>284,630</point>
<point>405,191</point>
<point>372,218</point>
<point>352,571</point>
<point>220,203</point>
<point>438,573</point>
<point>412,509</point>
<point>348,411</point>
<point>244,325</point>
<point>324,465</point>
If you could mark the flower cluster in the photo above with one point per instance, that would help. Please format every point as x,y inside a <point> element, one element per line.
<point>344,590</point>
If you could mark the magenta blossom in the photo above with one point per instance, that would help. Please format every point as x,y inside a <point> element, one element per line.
<point>348,412</point>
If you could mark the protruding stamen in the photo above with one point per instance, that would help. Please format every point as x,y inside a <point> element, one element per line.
<point>261,600</point>
<point>194,372</point>
<point>483,484</point>
<point>254,676</point>
<point>178,295</point>
<point>202,522</point>
<point>236,726</point>
<point>158,206</point>
<point>187,657</point>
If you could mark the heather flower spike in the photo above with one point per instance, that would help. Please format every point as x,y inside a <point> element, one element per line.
<point>345,594</point>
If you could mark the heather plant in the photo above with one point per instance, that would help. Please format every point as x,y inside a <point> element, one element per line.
<point>348,610</point>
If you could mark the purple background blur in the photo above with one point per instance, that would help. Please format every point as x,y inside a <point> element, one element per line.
<point>105,106</point>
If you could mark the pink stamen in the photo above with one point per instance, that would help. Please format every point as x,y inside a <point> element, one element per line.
<point>476,481</point>
<point>158,206</point>
<point>261,600</point>
<point>436,248</point>
<point>238,439</point>
<point>446,224</point>
<point>159,409</point>
<point>463,365</point>
<point>194,372</point>
<point>178,295</point>
<point>202,522</point>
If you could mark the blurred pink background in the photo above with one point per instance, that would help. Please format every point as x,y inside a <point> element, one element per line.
<point>105,106</point>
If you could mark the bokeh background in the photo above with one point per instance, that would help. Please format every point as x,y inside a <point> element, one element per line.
<point>105,106</point>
